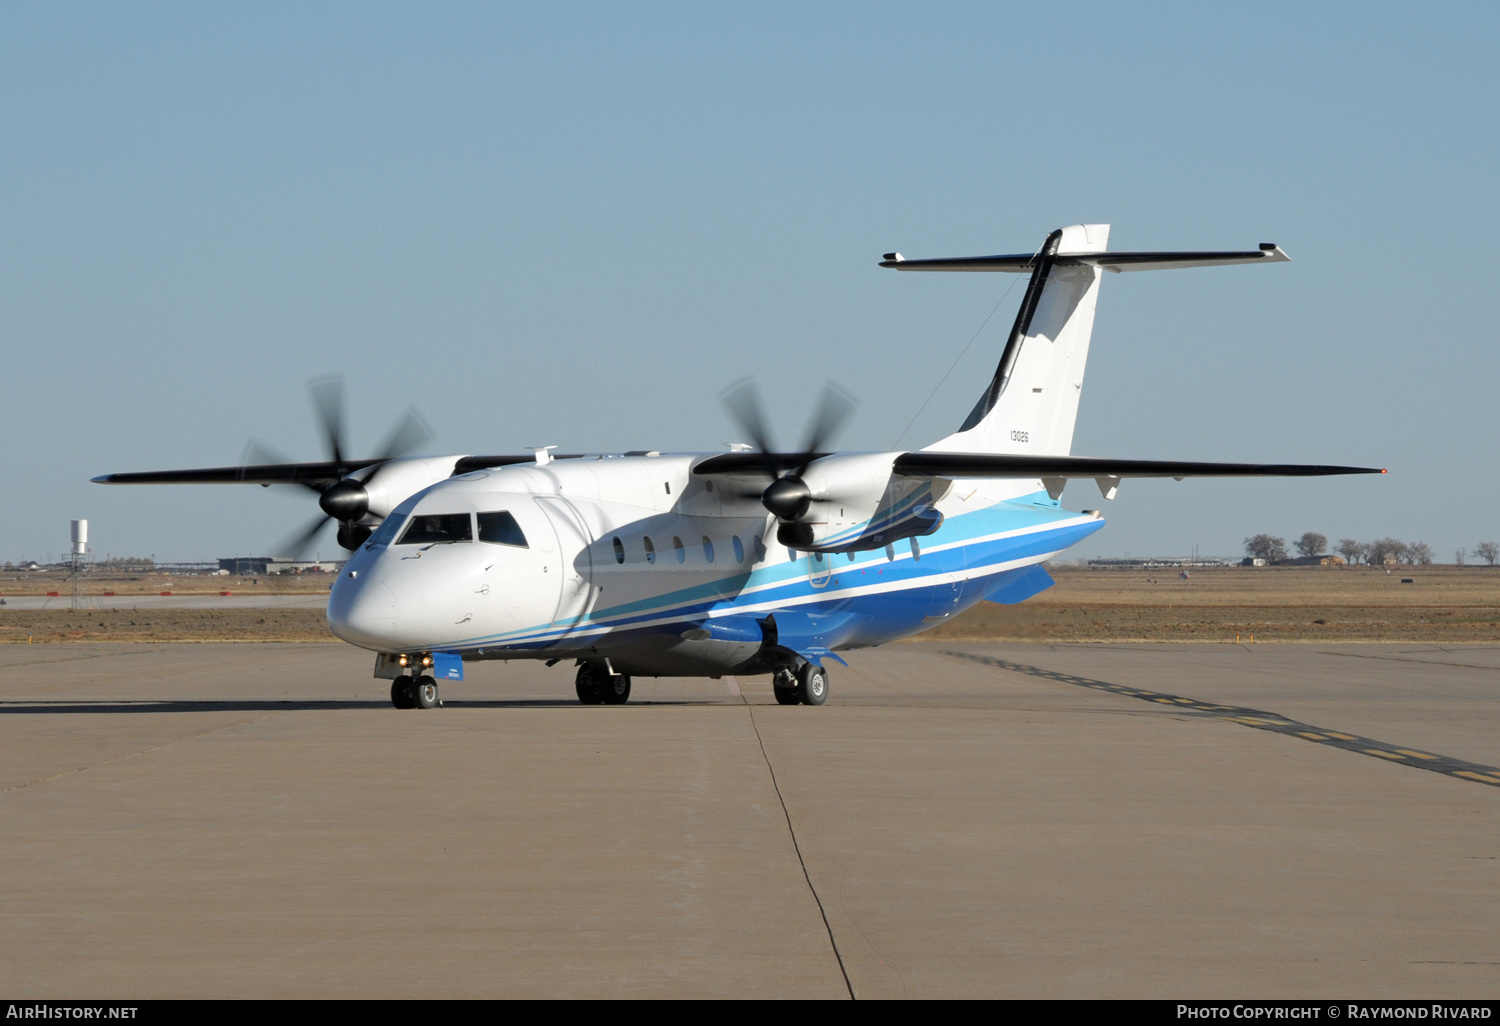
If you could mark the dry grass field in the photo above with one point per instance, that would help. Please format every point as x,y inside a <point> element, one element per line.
<point>154,583</point>
<point>1442,605</point>
<point>53,626</point>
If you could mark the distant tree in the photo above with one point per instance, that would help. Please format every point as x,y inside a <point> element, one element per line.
<point>1419,553</point>
<point>1350,549</point>
<point>1488,551</point>
<point>1384,550</point>
<point>1458,556</point>
<point>1312,544</point>
<point>1265,546</point>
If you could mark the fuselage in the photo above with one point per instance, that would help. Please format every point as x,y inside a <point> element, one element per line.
<point>639,561</point>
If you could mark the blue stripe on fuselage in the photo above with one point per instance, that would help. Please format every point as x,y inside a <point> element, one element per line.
<point>891,596</point>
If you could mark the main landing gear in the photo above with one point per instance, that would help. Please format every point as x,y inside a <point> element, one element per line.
<point>596,684</point>
<point>415,693</point>
<point>807,684</point>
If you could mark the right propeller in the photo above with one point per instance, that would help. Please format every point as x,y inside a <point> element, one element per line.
<point>345,500</point>
<point>787,496</point>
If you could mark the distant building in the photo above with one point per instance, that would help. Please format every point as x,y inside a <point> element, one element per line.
<point>245,565</point>
<point>1298,561</point>
<point>1154,562</point>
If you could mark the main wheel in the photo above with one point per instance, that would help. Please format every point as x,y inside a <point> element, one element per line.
<point>813,683</point>
<point>425,692</point>
<point>590,684</point>
<point>617,689</point>
<point>403,693</point>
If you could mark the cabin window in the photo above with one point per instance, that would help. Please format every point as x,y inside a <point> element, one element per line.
<point>739,550</point>
<point>760,550</point>
<point>438,529</point>
<point>708,549</point>
<point>619,551</point>
<point>386,532</point>
<point>650,551</point>
<point>818,556</point>
<point>708,486</point>
<point>501,529</point>
<point>678,549</point>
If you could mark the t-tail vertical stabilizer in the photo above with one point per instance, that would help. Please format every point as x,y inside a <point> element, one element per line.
<point>1031,404</point>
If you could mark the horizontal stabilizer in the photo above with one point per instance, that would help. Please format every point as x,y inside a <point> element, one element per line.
<point>1024,263</point>
<point>966,464</point>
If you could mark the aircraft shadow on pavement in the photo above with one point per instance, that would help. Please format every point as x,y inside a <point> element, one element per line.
<point>283,705</point>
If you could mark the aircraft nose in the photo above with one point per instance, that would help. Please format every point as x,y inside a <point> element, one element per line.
<point>363,614</point>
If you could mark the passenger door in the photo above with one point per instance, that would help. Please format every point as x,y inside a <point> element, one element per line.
<point>573,541</point>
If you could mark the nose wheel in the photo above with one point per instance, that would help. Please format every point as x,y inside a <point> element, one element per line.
<point>418,693</point>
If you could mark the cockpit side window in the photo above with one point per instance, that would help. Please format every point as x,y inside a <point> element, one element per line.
<point>439,528</point>
<point>502,529</point>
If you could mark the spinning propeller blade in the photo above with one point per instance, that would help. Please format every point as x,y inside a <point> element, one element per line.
<point>787,496</point>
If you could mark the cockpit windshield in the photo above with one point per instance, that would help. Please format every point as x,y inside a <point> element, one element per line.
<point>386,532</point>
<point>438,528</point>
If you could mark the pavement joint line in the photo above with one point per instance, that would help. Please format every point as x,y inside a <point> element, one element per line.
<point>1259,719</point>
<point>838,956</point>
<point>1404,659</point>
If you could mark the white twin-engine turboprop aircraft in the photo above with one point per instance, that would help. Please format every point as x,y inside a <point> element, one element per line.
<point>747,562</point>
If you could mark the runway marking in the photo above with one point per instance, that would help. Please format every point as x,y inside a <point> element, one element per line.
<point>1259,719</point>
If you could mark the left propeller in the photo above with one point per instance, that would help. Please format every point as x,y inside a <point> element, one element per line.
<point>346,499</point>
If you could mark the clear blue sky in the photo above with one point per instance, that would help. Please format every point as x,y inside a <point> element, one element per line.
<point>575,224</point>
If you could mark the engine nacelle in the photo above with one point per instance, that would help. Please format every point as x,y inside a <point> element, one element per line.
<point>393,482</point>
<point>858,504</point>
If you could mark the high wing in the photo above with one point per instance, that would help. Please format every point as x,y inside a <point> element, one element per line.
<point>967,464</point>
<point>1056,471</point>
<point>754,462</point>
<point>324,472</point>
<point>1021,263</point>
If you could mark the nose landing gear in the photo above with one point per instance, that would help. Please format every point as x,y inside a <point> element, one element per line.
<point>418,693</point>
